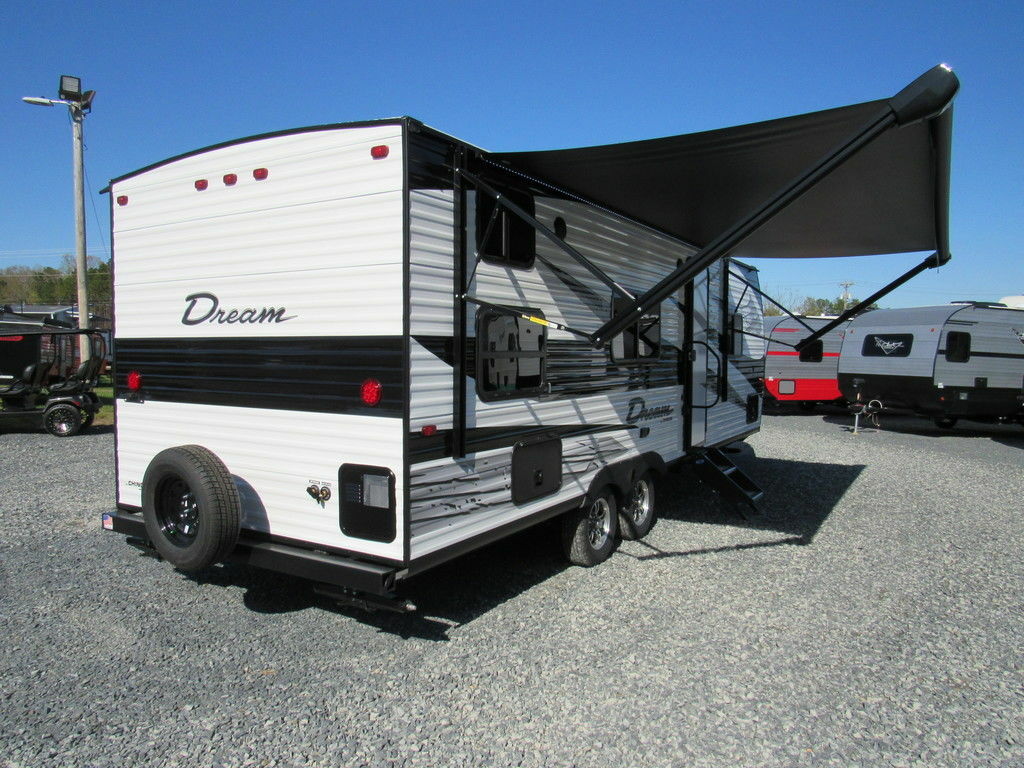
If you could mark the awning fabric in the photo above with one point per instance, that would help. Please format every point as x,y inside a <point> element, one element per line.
<point>892,197</point>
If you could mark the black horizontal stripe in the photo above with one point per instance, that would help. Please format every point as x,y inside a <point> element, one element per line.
<point>438,445</point>
<point>313,373</point>
<point>1003,355</point>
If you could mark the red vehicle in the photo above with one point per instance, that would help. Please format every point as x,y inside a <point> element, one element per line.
<point>808,377</point>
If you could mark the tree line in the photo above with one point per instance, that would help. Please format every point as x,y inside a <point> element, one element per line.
<point>55,285</point>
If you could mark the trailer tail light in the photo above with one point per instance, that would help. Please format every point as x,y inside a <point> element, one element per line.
<point>260,174</point>
<point>201,184</point>
<point>122,200</point>
<point>371,391</point>
<point>230,179</point>
<point>134,381</point>
<point>380,151</point>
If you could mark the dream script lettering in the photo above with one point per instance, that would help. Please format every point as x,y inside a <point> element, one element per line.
<point>200,302</point>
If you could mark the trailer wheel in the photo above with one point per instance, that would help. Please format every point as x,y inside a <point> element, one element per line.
<point>62,420</point>
<point>945,422</point>
<point>637,516</point>
<point>588,533</point>
<point>191,507</point>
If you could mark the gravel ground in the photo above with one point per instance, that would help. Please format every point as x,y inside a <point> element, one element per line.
<point>872,618</point>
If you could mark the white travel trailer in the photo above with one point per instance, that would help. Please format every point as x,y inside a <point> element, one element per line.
<point>961,360</point>
<point>350,352</point>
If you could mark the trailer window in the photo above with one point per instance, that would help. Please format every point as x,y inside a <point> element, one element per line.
<point>503,237</point>
<point>640,341</point>
<point>511,354</point>
<point>813,352</point>
<point>887,345</point>
<point>958,347</point>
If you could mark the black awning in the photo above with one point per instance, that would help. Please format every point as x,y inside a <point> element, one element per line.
<point>891,197</point>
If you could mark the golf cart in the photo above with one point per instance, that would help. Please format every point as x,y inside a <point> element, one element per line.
<point>38,376</point>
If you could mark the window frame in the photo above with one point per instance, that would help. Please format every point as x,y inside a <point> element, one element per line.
<point>619,303</point>
<point>483,316</point>
<point>958,354</point>
<point>515,237</point>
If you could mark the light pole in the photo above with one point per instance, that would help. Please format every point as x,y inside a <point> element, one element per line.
<point>79,104</point>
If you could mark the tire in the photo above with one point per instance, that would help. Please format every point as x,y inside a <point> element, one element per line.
<point>638,514</point>
<point>62,420</point>
<point>945,422</point>
<point>87,420</point>
<point>808,406</point>
<point>588,533</point>
<point>191,507</point>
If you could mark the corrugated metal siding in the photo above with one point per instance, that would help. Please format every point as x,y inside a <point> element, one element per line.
<point>452,500</point>
<point>273,456</point>
<point>993,332</point>
<point>321,239</point>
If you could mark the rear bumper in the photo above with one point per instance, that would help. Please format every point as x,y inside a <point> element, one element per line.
<point>322,567</point>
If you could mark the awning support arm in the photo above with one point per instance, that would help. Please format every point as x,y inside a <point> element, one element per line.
<point>555,239</point>
<point>927,96</point>
<point>764,295</point>
<point>930,263</point>
<point>510,311</point>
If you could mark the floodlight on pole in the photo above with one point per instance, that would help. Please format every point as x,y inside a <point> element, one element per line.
<point>78,104</point>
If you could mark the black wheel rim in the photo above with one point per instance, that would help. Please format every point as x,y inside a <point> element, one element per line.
<point>177,512</point>
<point>61,421</point>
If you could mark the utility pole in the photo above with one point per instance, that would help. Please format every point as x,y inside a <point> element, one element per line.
<point>846,292</point>
<point>79,104</point>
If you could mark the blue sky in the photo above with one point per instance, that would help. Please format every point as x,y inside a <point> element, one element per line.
<point>174,76</point>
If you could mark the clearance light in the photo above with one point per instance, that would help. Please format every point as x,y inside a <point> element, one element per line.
<point>134,381</point>
<point>260,174</point>
<point>122,199</point>
<point>230,179</point>
<point>370,392</point>
<point>202,184</point>
<point>379,152</point>
<point>429,430</point>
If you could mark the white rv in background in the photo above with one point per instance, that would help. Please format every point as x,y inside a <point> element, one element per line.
<point>961,360</point>
<point>351,352</point>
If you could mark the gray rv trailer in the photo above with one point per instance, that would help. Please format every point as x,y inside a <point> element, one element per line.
<point>351,352</point>
<point>961,360</point>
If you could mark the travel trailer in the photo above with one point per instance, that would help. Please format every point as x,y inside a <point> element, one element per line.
<point>805,377</point>
<point>351,352</point>
<point>961,360</point>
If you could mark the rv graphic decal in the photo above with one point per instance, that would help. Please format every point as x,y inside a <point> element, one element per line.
<point>205,308</point>
<point>888,347</point>
<point>638,411</point>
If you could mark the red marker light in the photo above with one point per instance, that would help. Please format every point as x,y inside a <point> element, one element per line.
<point>429,430</point>
<point>230,179</point>
<point>260,174</point>
<point>202,184</point>
<point>134,381</point>
<point>371,391</point>
<point>379,152</point>
<point>122,199</point>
